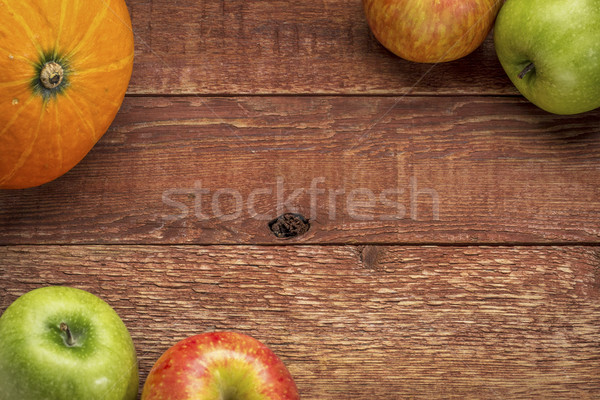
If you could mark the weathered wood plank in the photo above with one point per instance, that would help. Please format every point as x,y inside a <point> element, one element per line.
<point>353,322</point>
<point>268,47</point>
<point>363,170</point>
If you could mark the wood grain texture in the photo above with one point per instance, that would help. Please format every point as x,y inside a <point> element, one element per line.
<point>241,110</point>
<point>277,47</point>
<point>363,169</point>
<point>357,323</point>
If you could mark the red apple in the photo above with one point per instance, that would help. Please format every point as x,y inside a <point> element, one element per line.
<point>431,31</point>
<point>219,366</point>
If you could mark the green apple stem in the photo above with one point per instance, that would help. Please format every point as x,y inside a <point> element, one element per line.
<point>65,328</point>
<point>526,70</point>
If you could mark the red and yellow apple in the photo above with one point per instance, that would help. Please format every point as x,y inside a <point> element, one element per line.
<point>431,31</point>
<point>219,366</point>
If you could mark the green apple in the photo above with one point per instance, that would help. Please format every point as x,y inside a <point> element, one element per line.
<point>550,50</point>
<point>65,343</point>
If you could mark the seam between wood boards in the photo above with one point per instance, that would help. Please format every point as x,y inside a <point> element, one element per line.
<point>349,95</point>
<point>357,244</point>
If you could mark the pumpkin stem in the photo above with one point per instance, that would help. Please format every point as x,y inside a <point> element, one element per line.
<point>51,75</point>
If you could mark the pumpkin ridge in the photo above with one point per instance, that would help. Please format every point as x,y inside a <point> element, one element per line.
<point>14,83</point>
<point>125,23</point>
<point>96,22</point>
<point>82,117</point>
<point>111,66</point>
<point>61,20</point>
<point>15,56</point>
<point>26,153</point>
<point>95,99</point>
<point>59,137</point>
<point>25,27</point>
<point>16,115</point>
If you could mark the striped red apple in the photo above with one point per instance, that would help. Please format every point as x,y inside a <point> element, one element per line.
<point>431,31</point>
<point>219,366</point>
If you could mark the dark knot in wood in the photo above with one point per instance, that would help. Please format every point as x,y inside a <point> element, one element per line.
<point>289,225</point>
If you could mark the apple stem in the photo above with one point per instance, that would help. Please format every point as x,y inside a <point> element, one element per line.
<point>526,70</point>
<point>65,328</point>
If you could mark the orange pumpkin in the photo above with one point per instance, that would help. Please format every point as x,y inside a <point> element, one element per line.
<point>65,66</point>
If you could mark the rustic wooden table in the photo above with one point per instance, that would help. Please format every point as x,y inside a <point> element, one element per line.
<point>453,242</point>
